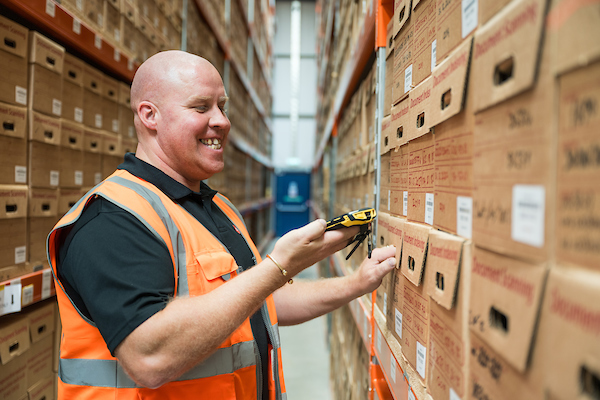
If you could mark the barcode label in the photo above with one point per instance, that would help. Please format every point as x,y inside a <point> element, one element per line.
<point>76,26</point>
<point>117,55</point>
<point>408,78</point>
<point>27,295</point>
<point>405,203</point>
<point>115,125</point>
<point>98,120</point>
<point>393,368</point>
<point>98,42</point>
<point>528,211</point>
<point>398,325</point>
<point>433,54</point>
<point>79,178</point>
<point>50,8</point>
<point>389,199</point>
<point>54,178</point>
<point>20,254</point>
<point>11,299</point>
<point>20,95</point>
<point>429,208</point>
<point>378,341</point>
<point>46,283</point>
<point>421,354</point>
<point>385,304</point>
<point>464,216</point>
<point>470,11</point>
<point>20,174</point>
<point>56,107</point>
<point>79,4</point>
<point>78,115</point>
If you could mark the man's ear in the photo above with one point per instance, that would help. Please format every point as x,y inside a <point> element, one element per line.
<point>148,114</point>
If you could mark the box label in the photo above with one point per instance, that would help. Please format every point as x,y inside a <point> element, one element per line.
<point>130,131</point>
<point>76,26</point>
<point>97,178</point>
<point>411,395</point>
<point>378,341</point>
<point>20,95</point>
<point>433,54</point>
<point>98,42</point>
<point>98,120</point>
<point>398,325</point>
<point>429,206</point>
<point>20,174</point>
<point>54,178</point>
<point>79,4</point>
<point>405,203</point>
<point>78,115</point>
<point>464,216</point>
<point>470,12</point>
<point>50,8</point>
<point>385,304</point>
<point>27,295</point>
<point>56,107</point>
<point>11,299</point>
<point>393,368</point>
<point>115,125</point>
<point>528,210</point>
<point>389,199</point>
<point>20,254</point>
<point>117,55</point>
<point>453,395</point>
<point>408,78</point>
<point>421,354</point>
<point>46,283</point>
<point>79,178</point>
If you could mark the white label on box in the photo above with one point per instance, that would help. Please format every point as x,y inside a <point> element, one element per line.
<point>56,107</point>
<point>156,21</point>
<point>429,206</point>
<point>389,199</point>
<point>453,395</point>
<point>464,216</point>
<point>20,95</point>
<point>79,178</point>
<point>79,4</point>
<point>421,355</point>
<point>98,42</point>
<point>54,178</point>
<point>78,115</point>
<point>27,295</point>
<point>101,20</point>
<point>130,64</point>
<point>385,304</point>
<point>405,203</point>
<point>11,299</point>
<point>433,54</point>
<point>20,254</point>
<point>46,283</point>
<point>130,131</point>
<point>528,210</point>
<point>97,178</point>
<point>20,174</point>
<point>378,340</point>
<point>115,125</point>
<point>118,35</point>
<point>76,26</point>
<point>393,368</point>
<point>470,11</point>
<point>145,10</point>
<point>398,325</point>
<point>117,55</point>
<point>98,120</point>
<point>50,8</point>
<point>411,395</point>
<point>408,78</point>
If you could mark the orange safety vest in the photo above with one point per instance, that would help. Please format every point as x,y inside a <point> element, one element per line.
<point>201,263</point>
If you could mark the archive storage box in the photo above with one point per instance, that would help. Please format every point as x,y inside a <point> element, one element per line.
<point>13,226</point>
<point>13,62</point>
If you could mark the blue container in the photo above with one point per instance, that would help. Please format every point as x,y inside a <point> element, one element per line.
<point>291,203</point>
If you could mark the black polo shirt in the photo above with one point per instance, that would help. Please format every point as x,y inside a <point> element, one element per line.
<point>119,274</point>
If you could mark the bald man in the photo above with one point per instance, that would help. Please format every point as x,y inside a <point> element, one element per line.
<point>162,294</point>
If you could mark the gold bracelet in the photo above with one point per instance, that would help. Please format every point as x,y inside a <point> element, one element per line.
<point>283,271</point>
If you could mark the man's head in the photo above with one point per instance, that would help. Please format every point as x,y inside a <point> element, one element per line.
<point>178,100</point>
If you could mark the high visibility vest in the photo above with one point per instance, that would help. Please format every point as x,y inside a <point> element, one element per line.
<point>201,263</point>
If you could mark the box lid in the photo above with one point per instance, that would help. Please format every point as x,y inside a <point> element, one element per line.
<point>505,301</point>
<point>111,144</point>
<point>414,251</point>
<point>92,79</point>
<point>507,51</point>
<point>13,201</point>
<point>386,134</point>
<point>402,10</point>
<point>71,135</point>
<point>420,109</point>
<point>73,69</point>
<point>13,120</point>
<point>93,140</point>
<point>14,337</point>
<point>41,321</point>
<point>444,258</point>
<point>124,94</point>
<point>110,88</point>
<point>44,129</point>
<point>450,84</point>
<point>43,202</point>
<point>14,37</point>
<point>400,123</point>
<point>45,52</point>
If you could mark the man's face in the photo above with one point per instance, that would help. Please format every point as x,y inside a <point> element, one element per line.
<point>193,126</point>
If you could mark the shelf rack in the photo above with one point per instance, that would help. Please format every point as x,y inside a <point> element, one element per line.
<point>17,293</point>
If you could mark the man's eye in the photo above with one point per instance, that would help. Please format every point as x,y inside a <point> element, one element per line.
<point>201,108</point>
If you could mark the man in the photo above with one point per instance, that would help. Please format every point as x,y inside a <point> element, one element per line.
<point>160,291</point>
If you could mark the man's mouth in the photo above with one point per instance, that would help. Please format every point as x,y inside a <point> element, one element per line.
<point>214,144</point>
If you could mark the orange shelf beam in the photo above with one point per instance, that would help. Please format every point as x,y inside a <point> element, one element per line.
<point>26,290</point>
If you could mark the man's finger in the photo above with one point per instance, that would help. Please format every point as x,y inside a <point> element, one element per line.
<point>381,253</point>
<point>314,230</point>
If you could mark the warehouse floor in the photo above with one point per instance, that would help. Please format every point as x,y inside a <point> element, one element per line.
<point>306,354</point>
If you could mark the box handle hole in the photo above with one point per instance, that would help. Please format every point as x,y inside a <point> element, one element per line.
<point>411,263</point>
<point>399,132</point>
<point>45,207</point>
<point>71,203</point>
<point>72,140</point>
<point>8,126</point>
<point>11,208</point>
<point>446,99</point>
<point>10,43</point>
<point>49,134</point>
<point>420,120</point>
<point>51,60</point>
<point>94,84</point>
<point>498,320</point>
<point>72,74</point>
<point>41,329</point>
<point>386,140</point>
<point>590,383</point>
<point>111,93</point>
<point>504,71</point>
<point>439,281</point>
<point>381,240</point>
<point>401,15</point>
<point>13,347</point>
<point>93,145</point>
<point>111,148</point>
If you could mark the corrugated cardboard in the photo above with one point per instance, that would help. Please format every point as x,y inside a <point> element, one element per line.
<point>111,144</point>
<point>399,180</point>
<point>72,103</point>
<point>14,337</point>
<point>13,379</point>
<point>71,135</point>
<point>576,25</point>
<point>387,134</point>
<point>13,62</point>
<point>93,140</point>
<point>110,115</point>
<point>389,70</point>
<point>402,10</point>
<point>13,160</point>
<point>67,199</point>
<point>46,53</point>
<point>449,258</point>
<point>385,183</point>
<point>578,178</point>
<point>455,21</point>
<point>43,202</point>
<point>71,167</point>
<point>420,105</point>
<point>39,361</point>
<point>45,90</point>
<point>396,307</point>
<point>13,242</point>
<point>92,79</point>
<point>73,69</point>
<point>13,120</point>
<point>39,228</point>
<point>110,164</point>
<point>421,173</point>
<point>567,347</point>
<point>92,109</point>
<point>42,390</point>
<point>110,88</point>
<point>13,201</point>
<point>489,8</point>
<point>400,123</point>
<point>44,129</point>
<point>92,169</point>
<point>44,165</point>
<point>506,52</point>
<point>414,252</point>
<point>124,95</point>
<point>41,320</point>
<point>505,302</point>
<point>403,61</point>
<point>424,22</point>
<point>126,126</point>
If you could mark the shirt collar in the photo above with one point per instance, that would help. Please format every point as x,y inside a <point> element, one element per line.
<point>162,181</point>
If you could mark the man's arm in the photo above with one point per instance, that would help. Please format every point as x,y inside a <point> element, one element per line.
<point>188,330</point>
<point>305,300</point>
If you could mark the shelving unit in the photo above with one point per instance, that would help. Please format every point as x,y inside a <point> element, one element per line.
<point>26,290</point>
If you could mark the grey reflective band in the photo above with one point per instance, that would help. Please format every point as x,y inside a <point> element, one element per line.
<point>273,331</point>
<point>230,204</point>
<point>109,373</point>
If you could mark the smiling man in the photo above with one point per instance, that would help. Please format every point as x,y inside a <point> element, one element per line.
<point>162,294</point>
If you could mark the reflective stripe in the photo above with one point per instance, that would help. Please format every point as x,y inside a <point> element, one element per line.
<point>109,373</point>
<point>230,204</point>
<point>273,331</point>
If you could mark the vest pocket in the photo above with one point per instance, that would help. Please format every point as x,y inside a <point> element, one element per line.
<point>216,266</point>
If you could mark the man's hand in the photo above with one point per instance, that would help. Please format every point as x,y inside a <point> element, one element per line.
<point>372,270</point>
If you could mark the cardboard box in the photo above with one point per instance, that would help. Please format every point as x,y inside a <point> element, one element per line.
<point>112,23</point>
<point>489,8</point>
<point>455,22</point>
<point>14,337</point>
<point>44,165</point>
<point>399,181</point>
<point>424,21</point>
<point>110,115</point>
<point>514,157</point>
<point>73,70</point>
<point>415,315</point>
<point>93,13</point>
<point>14,271</point>
<point>42,390</point>
<point>13,201</point>
<point>385,182</point>
<point>71,167</point>
<point>386,134</point>
<point>92,169</point>
<point>67,198</point>
<point>396,307</point>
<point>71,135</point>
<point>13,241</point>
<point>13,160</point>
<point>41,320</point>
<point>93,79</point>
<point>93,140</point>
<point>92,109</point>
<point>403,62</point>
<point>567,346</point>
<point>111,144</point>
<point>13,62</point>
<point>110,89</point>
<point>506,52</point>
<point>421,173</point>
<point>402,10</point>
<point>124,95</point>
<point>575,25</point>
<point>110,164</point>
<point>45,90</point>
<point>578,177</point>
<point>44,129</point>
<point>420,110</point>
<point>506,296</point>
<point>43,202</point>
<point>400,123</point>
<point>449,263</point>
<point>389,70</point>
<point>13,120</point>
<point>72,102</point>
<point>39,228</point>
<point>46,53</point>
<point>39,361</point>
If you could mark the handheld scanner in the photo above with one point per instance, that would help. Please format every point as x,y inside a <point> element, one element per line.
<point>357,217</point>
